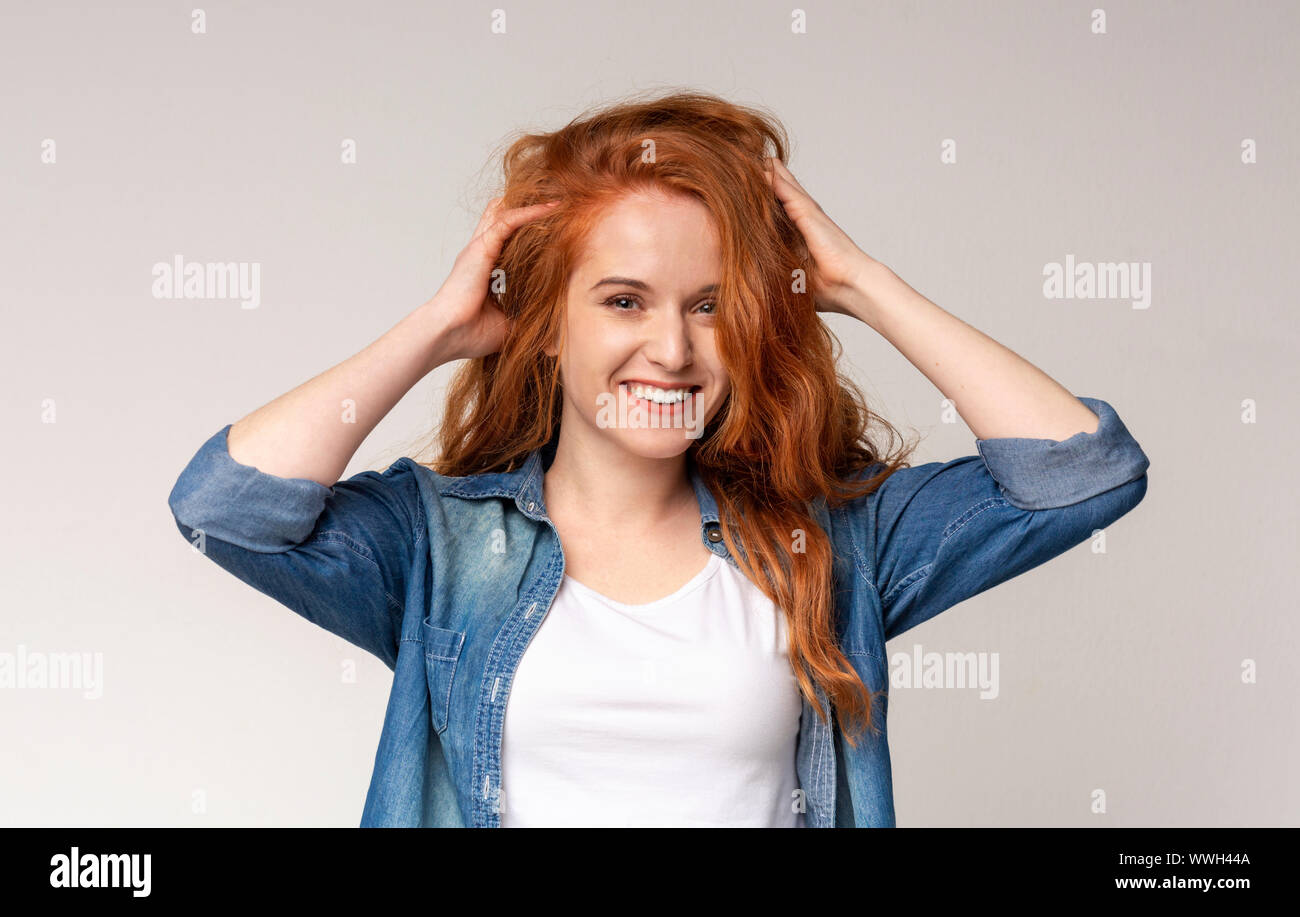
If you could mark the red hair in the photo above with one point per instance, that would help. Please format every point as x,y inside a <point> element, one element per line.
<point>792,428</point>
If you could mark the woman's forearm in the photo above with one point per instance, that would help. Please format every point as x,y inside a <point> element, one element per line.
<point>995,390</point>
<point>314,430</point>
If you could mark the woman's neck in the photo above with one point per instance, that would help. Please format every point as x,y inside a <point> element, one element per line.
<point>614,490</point>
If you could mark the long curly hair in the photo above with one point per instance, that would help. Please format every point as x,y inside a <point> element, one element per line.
<point>792,428</point>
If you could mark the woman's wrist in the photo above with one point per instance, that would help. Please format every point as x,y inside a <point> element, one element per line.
<point>429,323</point>
<point>871,285</point>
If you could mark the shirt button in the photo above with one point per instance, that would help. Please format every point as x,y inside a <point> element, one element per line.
<point>715,534</point>
<point>531,506</point>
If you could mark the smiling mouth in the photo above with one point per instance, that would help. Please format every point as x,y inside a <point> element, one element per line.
<point>675,397</point>
<point>668,405</point>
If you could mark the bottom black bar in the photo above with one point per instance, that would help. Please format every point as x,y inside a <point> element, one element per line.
<point>213,866</point>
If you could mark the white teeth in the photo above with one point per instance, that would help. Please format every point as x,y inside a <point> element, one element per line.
<point>658,395</point>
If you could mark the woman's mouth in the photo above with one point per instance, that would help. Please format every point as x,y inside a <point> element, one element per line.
<point>653,398</point>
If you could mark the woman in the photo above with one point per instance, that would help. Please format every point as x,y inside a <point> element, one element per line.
<point>650,577</point>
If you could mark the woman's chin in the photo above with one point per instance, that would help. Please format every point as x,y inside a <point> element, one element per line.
<point>664,443</point>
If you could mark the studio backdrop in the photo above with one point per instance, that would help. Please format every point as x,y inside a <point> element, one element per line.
<point>1108,191</point>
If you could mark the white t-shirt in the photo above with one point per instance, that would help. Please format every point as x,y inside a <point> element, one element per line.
<point>679,712</point>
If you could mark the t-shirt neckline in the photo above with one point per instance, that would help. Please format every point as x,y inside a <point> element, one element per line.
<point>690,586</point>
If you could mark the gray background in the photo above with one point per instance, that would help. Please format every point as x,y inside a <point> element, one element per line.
<point>1118,671</point>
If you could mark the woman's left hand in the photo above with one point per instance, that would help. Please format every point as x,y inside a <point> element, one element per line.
<point>842,266</point>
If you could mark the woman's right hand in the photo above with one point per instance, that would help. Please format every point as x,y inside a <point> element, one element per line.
<point>470,319</point>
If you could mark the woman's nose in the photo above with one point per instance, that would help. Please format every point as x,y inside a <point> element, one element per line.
<point>669,340</point>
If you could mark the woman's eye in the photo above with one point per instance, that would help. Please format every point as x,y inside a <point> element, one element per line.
<point>613,300</point>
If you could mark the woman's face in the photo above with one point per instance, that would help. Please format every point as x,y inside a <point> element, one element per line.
<point>641,309</point>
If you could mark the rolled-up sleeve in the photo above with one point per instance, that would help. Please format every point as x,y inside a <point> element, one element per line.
<point>936,534</point>
<point>244,506</point>
<point>1045,473</point>
<point>341,557</point>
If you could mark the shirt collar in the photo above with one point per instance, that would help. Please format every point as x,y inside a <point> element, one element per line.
<point>524,486</point>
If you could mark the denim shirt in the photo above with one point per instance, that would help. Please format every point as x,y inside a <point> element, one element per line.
<point>447,579</point>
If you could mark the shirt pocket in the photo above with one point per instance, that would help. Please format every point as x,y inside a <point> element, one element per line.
<point>441,654</point>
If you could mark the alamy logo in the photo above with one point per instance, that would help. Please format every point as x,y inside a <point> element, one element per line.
<point>35,669</point>
<point>1104,280</point>
<point>920,669</point>
<point>622,411</point>
<point>102,870</point>
<point>240,280</point>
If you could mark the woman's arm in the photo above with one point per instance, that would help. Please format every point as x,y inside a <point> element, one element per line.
<point>314,430</point>
<point>1055,469</point>
<point>262,498</point>
<point>303,433</point>
<point>271,511</point>
<point>1052,469</point>
<point>997,392</point>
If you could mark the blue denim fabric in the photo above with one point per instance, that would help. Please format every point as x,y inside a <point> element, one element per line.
<point>447,579</point>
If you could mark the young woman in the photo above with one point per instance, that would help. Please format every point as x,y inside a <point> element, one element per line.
<point>650,576</point>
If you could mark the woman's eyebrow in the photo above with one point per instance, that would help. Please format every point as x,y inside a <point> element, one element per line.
<point>642,285</point>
